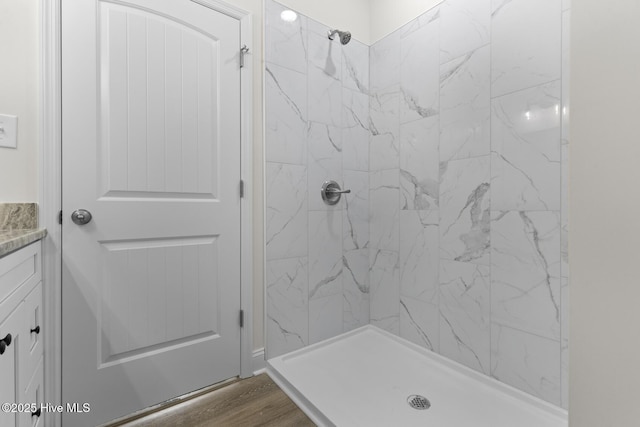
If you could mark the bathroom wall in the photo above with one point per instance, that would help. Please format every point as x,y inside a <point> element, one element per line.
<point>387,16</point>
<point>19,85</point>
<point>605,207</point>
<point>468,162</point>
<point>316,119</point>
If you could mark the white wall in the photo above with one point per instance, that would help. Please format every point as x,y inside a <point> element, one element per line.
<point>605,207</point>
<point>389,15</point>
<point>19,79</point>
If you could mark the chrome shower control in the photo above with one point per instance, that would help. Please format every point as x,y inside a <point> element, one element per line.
<point>81,217</point>
<point>331,192</point>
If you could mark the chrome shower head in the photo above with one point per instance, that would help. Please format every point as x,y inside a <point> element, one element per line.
<point>345,36</point>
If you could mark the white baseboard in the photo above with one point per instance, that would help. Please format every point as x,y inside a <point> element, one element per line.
<point>259,363</point>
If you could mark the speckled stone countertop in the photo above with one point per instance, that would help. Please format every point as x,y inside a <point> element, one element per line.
<point>18,226</point>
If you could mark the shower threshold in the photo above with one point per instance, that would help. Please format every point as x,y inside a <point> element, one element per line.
<point>366,377</point>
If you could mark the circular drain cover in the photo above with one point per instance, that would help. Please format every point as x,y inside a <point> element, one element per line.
<point>418,402</point>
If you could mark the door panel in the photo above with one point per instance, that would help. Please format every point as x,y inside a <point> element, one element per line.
<point>151,286</point>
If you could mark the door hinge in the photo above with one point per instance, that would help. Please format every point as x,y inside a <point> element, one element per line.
<point>242,318</point>
<point>243,51</point>
<point>60,217</point>
<point>241,188</point>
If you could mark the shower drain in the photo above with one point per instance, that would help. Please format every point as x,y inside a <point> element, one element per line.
<point>418,402</point>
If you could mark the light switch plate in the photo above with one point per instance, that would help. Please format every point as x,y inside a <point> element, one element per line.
<point>8,131</point>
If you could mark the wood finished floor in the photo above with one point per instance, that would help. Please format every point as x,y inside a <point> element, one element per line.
<point>255,401</point>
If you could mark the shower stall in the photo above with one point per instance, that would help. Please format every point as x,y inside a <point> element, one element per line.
<point>451,134</point>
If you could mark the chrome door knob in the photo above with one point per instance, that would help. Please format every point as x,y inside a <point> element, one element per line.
<point>81,217</point>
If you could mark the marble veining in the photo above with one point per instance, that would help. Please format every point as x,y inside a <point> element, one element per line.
<point>419,75</point>
<point>525,145</point>
<point>419,169</point>
<point>525,271</point>
<point>465,321</point>
<point>464,210</point>
<point>465,106</point>
<point>287,305</point>
<point>419,322</point>
<point>525,44</point>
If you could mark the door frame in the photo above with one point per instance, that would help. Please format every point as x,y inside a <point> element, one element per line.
<point>50,198</point>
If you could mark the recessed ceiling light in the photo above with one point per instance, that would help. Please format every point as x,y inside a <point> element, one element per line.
<point>288,15</point>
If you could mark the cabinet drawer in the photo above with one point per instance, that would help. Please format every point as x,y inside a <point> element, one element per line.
<point>19,271</point>
<point>34,394</point>
<point>31,340</point>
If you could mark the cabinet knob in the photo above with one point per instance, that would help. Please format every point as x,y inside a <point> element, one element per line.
<point>36,330</point>
<point>37,413</point>
<point>4,343</point>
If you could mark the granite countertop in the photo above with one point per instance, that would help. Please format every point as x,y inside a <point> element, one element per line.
<point>18,226</point>
<point>12,240</point>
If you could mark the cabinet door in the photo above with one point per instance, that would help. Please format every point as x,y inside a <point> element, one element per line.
<point>33,395</point>
<point>32,330</point>
<point>11,388</point>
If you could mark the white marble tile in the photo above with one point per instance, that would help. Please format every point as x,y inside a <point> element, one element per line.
<point>465,106</point>
<point>355,66</point>
<point>285,42</point>
<point>355,131</point>
<point>465,314</point>
<point>566,75</point>
<point>325,163</point>
<point>419,73</point>
<point>384,290</point>
<point>325,318</point>
<point>525,145</point>
<point>525,271</point>
<point>426,18</point>
<point>464,210</point>
<point>564,374</point>
<point>465,25</point>
<point>384,204</point>
<point>286,212</point>
<point>525,44</point>
<point>419,255</point>
<point>355,273</point>
<point>419,166</point>
<point>384,62</point>
<point>325,253</point>
<point>287,306</point>
<point>285,115</point>
<point>385,129</point>
<point>527,362</point>
<point>419,323</point>
<point>324,79</point>
<point>355,220</point>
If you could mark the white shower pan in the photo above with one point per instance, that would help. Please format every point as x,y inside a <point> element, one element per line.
<point>364,378</point>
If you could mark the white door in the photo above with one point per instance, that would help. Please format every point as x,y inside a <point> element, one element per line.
<point>151,148</point>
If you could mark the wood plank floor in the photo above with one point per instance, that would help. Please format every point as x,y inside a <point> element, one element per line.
<point>255,401</point>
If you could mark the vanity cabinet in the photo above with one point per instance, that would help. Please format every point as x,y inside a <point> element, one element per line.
<point>21,337</point>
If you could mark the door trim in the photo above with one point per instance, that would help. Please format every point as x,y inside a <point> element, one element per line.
<point>50,198</point>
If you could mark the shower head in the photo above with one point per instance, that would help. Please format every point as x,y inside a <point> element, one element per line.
<point>345,36</point>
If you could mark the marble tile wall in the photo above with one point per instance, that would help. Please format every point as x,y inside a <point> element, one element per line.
<point>452,133</point>
<point>317,128</point>
<point>469,115</point>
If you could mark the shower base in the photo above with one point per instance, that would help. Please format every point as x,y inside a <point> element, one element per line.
<point>365,378</point>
